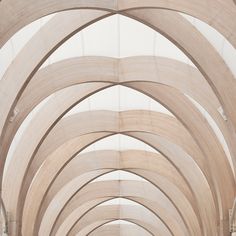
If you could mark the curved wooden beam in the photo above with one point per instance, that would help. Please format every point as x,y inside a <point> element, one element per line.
<point>154,121</point>
<point>186,26</point>
<point>150,166</point>
<point>3,218</point>
<point>206,150</point>
<point>165,23</point>
<point>84,198</point>
<point>109,75</point>
<point>155,69</point>
<point>134,214</point>
<point>119,230</point>
<point>128,189</point>
<point>94,226</point>
<point>168,98</point>
<point>175,155</point>
<point>89,63</point>
<point>37,57</point>
<point>206,11</point>
<point>81,70</point>
<point>109,122</point>
<point>51,145</point>
<point>75,93</point>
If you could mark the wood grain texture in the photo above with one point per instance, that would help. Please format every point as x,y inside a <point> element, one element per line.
<point>206,11</point>
<point>124,189</point>
<point>151,166</point>
<point>133,214</point>
<point>119,230</point>
<point>192,174</point>
<point>226,102</point>
<point>59,136</point>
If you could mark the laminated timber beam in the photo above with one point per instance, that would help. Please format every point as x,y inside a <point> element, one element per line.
<point>115,189</point>
<point>160,70</point>
<point>202,145</point>
<point>106,121</point>
<point>210,11</point>
<point>135,214</point>
<point>29,150</point>
<point>119,230</point>
<point>153,167</point>
<point>175,18</point>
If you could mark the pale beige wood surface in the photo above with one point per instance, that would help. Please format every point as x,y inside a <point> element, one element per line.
<point>38,49</point>
<point>72,131</point>
<point>211,50</point>
<point>124,189</point>
<point>129,64</point>
<point>102,121</point>
<point>205,204</point>
<point>119,230</point>
<point>151,166</point>
<point>132,214</point>
<point>188,146</point>
<point>62,135</point>
<point>161,70</point>
<point>206,10</point>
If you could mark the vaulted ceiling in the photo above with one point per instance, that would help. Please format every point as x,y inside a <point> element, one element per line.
<point>117,117</point>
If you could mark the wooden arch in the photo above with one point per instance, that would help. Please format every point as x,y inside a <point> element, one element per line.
<point>12,69</point>
<point>128,161</point>
<point>206,11</point>
<point>111,213</point>
<point>71,17</point>
<point>3,218</point>
<point>119,230</point>
<point>45,149</point>
<point>69,73</point>
<point>160,70</point>
<point>29,149</point>
<point>90,64</point>
<point>199,141</point>
<point>111,190</point>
